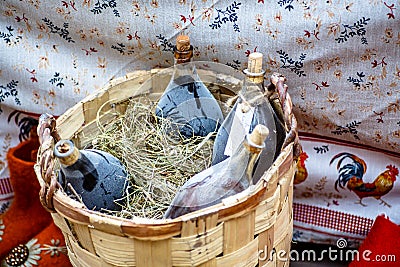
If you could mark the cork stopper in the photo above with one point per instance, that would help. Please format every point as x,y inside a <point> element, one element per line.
<point>258,136</point>
<point>66,152</point>
<point>182,43</point>
<point>254,64</point>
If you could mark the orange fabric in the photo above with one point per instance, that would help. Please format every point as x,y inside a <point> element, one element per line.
<point>26,217</point>
<point>52,236</point>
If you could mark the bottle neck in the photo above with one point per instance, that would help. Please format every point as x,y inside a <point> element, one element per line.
<point>253,88</point>
<point>66,152</point>
<point>184,67</point>
<point>254,78</point>
<point>183,56</point>
<point>246,156</point>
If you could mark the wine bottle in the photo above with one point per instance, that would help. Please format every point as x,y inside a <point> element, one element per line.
<point>99,179</point>
<point>227,178</point>
<point>250,109</point>
<point>186,100</point>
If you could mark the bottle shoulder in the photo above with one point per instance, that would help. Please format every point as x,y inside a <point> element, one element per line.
<point>187,88</point>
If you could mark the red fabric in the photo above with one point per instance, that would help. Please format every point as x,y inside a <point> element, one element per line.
<point>26,217</point>
<point>52,236</point>
<point>26,221</point>
<point>382,245</point>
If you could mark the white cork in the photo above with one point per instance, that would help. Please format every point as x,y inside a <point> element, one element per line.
<point>259,134</point>
<point>254,64</point>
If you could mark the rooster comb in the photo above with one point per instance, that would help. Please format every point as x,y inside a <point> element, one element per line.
<point>393,169</point>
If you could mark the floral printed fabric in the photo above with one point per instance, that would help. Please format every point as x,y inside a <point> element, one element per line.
<point>341,58</point>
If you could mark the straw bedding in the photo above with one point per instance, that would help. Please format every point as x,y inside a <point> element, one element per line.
<point>157,162</point>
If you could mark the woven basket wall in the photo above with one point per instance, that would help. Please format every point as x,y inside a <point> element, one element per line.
<point>243,230</point>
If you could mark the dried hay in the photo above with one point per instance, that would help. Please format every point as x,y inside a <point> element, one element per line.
<point>157,163</point>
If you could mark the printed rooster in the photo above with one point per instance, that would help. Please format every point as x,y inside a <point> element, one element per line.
<point>301,172</point>
<point>351,174</point>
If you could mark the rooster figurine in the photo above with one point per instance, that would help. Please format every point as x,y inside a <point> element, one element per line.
<point>301,172</point>
<point>352,174</point>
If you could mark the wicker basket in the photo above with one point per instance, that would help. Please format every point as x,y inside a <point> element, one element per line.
<point>244,230</point>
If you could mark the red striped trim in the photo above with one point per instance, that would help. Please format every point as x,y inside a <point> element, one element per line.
<point>5,186</point>
<point>335,220</point>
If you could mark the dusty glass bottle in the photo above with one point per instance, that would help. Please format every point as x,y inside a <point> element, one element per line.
<point>251,108</point>
<point>227,178</point>
<point>186,100</point>
<point>98,178</point>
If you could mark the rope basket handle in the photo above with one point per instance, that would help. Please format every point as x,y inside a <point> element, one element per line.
<point>277,93</point>
<point>48,136</point>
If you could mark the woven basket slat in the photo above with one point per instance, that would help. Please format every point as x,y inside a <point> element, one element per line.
<point>199,225</point>
<point>106,244</point>
<point>285,183</point>
<point>276,172</point>
<point>197,255</point>
<point>210,263</point>
<point>70,209</point>
<point>240,204</point>
<point>290,195</point>
<point>103,223</point>
<point>273,179</point>
<point>85,238</point>
<point>285,164</point>
<point>62,224</point>
<point>269,263</point>
<point>91,107</point>
<point>73,117</point>
<point>84,258</point>
<point>211,221</point>
<point>245,256</point>
<point>74,260</point>
<point>282,223</point>
<point>141,229</point>
<point>266,213</point>
<point>121,89</point>
<point>230,233</point>
<point>238,232</point>
<point>265,245</point>
<point>195,241</point>
<point>151,232</point>
<point>283,259</point>
<point>153,253</point>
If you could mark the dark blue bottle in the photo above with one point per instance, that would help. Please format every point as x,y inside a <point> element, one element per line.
<point>96,176</point>
<point>187,102</point>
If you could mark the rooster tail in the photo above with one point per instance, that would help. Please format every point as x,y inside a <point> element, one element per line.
<point>337,182</point>
<point>356,168</point>
<point>355,160</point>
